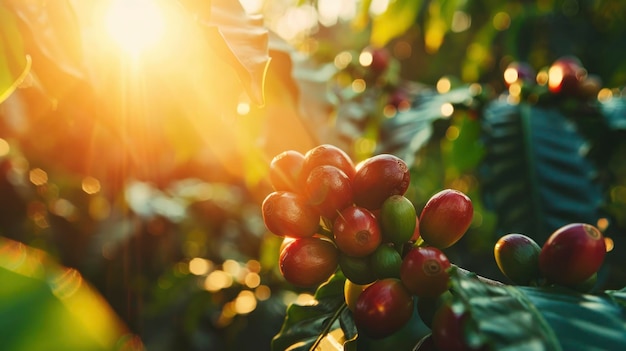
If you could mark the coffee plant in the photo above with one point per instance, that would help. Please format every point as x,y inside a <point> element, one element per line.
<point>393,260</point>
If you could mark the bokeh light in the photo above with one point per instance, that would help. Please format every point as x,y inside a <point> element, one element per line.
<point>200,266</point>
<point>343,59</point>
<point>443,85</point>
<point>511,75</point>
<point>605,94</point>
<point>218,280</point>
<point>358,85</point>
<point>38,176</point>
<point>245,302</point>
<point>90,185</point>
<point>447,109</point>
<point>501,21</point>
<point>4,148</point>
<point>262,292</point>
<point>461,21</point>
<point>366,58</point>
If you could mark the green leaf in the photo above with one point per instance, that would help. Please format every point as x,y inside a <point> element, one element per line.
<point>536,175</point>
<point>438,22</point>
<point>523,318</point>
<point>465,151</point>
<point>14,63</point>
<point>581,322</point>
<point>493,307</point>
<point>395,21</point>
<point>305,326</point>
<point>44,306</point>
<point>614,112</point>
<point>407,132</point>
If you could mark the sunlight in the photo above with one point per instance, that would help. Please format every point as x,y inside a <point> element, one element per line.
<point>135,24</point>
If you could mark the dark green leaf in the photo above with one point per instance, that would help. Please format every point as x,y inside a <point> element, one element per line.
<point>501,316</point>
<point>581,322</point>
<point>536,174</point>
<point>304,325</point>
<point>465,151</point>
<point>407,132</point>
<point>619,296</point>
<point>614,112</point>
<point>523,318</point>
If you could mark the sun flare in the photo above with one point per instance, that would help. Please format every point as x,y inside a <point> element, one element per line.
<point>135,24</point>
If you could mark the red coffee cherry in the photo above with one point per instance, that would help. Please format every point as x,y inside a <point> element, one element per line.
<point>285,170</point>
<point>378,178</point>
<point>308,262</point>
<point>383,308</point>
<point>357,232</point>
<point>328,190</point>
<point>448,330</point>
<point>565,75</point>
<point>572,254</point>
<point>424,271</point>
<point>326,154</point>
<point>288,214</point>
<point>445,218</point>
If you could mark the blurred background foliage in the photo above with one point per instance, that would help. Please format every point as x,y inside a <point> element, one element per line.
<point>143,167</point>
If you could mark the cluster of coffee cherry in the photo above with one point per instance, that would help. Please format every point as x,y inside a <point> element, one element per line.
<point>571,257</point>
<point>335,215</point>
<point>565,77</point>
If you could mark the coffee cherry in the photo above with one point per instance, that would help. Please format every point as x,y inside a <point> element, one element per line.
<point>378,178</point>
<point>328,190</point>
<point>416,233</point>
<point>351,293</point>
<point>428,306</point>
<point>397,219</point>
<point>448,330</point>
<point>586,286</point>
<point>329,155</point>
<point>308,262</point>
<point>357,269</point>
<point>285,170</point>
<point>356,232</point>
<point>288,214</point>
<point>380,59</point>
<point>445,218</point>
<point>383,308</point>
<point>589,87</point>
<point>517,256</point>
<point>565,75</point>
<point>424,271</point>
<point>572,254</point>
<point>385,262</point>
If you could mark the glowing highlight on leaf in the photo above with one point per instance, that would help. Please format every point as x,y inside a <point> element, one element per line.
<point>399,16</point>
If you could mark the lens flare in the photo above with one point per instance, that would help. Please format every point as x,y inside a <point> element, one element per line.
<point>135,24</point>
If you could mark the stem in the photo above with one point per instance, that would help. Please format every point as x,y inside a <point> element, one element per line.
<point>329,325</point>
